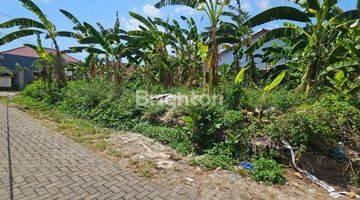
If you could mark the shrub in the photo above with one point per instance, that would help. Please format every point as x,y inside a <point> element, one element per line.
<point>303,129</point>
<point>344,116</point>
<point>40,91</point>
<point>152,113</point>
<point>233,119</point>
<point>116,113</point>
<point>268,171</point>
<point>80,97</point>
<point>203,124</point>
<point>282,99</point>
<point>233,95</point>
<point>36,90</point>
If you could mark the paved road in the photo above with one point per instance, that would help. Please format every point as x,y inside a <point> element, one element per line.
<point>47,165</point>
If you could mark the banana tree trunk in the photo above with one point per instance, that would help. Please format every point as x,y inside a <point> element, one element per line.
<point>213,70</point>
<point>192,76</point>
<point>236,60</point>
<point>309,79</point>
<point>59,66</point>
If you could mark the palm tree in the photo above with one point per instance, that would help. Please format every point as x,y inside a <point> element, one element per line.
<point>32,27</point>
<point>213,10</point>
<point>328,18</point>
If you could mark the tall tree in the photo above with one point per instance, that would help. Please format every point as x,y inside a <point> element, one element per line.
<point>32,27</point>
<point>213,10</point>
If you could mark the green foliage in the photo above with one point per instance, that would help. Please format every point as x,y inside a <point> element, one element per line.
<point>153,112</point>
<point>213,161</point>
<point>233,119</point>
<point>43,92</point>
<point>282,99</point>
<point>343,116</point>
<point>102,145</point>
<point>36,90</point>
<point>268,88</point>
<point>342,86</point>
<point>80,97</point>
<point>240,77</point>
<point>267,171</point>
<point>175,137</point>
<point>233,95</point>
<point>115,113</point>
<point>303,129</point>
<point>203,124</point>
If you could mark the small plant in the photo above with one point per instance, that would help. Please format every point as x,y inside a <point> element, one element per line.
<point>268,89</point>
<point>203,124</point>
<point>267,171</point>
<point>115,153</point>
<point>102,145</point>
<point>341,85</point>
<point>213,161</point>
<point>145,168</point>
<point>355,178</point>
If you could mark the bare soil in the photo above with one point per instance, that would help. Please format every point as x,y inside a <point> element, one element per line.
<point>169,168</point>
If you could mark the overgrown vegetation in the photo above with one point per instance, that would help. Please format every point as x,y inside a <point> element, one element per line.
<point>308,96</point>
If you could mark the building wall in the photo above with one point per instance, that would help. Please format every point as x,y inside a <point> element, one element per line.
<point>5,82</point>
<point>21,79</point>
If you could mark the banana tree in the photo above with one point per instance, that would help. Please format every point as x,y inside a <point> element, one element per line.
<point>106,42</point>
<point>182,43</point>
<point>149,44</point>
<point>45,61</point>
<point>266,91</point>
<point>321,18</point>
<point>347,54</point>
<point>234,32</point>
<point>213,10</point>
<point>30,27</point>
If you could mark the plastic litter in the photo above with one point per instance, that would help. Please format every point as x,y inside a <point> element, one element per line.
<point>246,165</point>
<point>338,153</point>
<point>330,189</point>
<point>334,195</point>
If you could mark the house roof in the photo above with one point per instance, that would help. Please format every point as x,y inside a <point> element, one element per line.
<point>26,51</point>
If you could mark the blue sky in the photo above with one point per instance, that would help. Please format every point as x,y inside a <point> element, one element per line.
<point>104,11</point>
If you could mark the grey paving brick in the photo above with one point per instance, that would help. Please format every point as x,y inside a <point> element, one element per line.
<point>48,165</point>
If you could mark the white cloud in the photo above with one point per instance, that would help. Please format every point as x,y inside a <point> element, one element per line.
<point>185,9</point>
<point>130,24</point>
<point>151,10</point>
<point>263,4</point>
<point>246,5</point>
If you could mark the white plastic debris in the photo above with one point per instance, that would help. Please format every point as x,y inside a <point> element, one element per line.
<point>189,179</point>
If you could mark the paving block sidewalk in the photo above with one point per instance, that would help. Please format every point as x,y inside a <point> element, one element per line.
<point>47,165</point>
